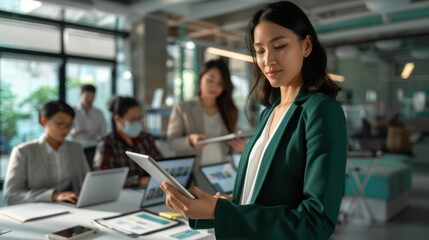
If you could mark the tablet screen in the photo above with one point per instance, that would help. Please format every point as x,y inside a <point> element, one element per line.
<point>158,172</point>
<point>180,168</point>
<point>221,176</point>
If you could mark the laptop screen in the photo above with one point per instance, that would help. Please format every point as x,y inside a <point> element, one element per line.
<point>93,188</point>
<point>179,167</point>
<point>221,176</point>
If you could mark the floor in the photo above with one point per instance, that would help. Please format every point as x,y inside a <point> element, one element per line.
<point>412,223</point>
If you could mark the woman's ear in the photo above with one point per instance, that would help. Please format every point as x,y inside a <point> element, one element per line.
<point>117,119</point>
<point>43,120</point>
<point>308,45</point>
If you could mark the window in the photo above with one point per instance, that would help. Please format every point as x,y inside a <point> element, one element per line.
<point>19,105</point>
<point>32,7</point>
<point>97,74</point>
<point>79,42</point>
<point>29,36</point>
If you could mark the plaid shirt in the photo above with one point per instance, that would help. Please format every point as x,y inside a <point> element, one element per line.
<point>111,154</point>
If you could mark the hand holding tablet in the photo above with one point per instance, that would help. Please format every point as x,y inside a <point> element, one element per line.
<point>157,172</point>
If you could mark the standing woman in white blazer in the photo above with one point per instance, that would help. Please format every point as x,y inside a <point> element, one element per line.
<point>50,168</point>
<point>212,113</point>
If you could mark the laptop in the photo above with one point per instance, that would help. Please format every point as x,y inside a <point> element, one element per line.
<point>101,186</point>
<point>221,176</point>
<point>178,167</point>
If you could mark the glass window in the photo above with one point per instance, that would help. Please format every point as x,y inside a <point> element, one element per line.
<point>19,105</point>
<point>31,7</point>
<point>183,82</point>
<point>240,79</point>
<point>124,83</point>
<point>85,43</point>
<point>97,74</point>
<point>29,36</point>
<point>376,87</point>
<point>96,18</point>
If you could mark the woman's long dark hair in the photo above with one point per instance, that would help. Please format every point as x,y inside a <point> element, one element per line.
<point>227,109</point>
<point>120,106</point>
<point>290,16</point>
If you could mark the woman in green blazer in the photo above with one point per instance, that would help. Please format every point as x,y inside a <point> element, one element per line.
<point>291,174</point>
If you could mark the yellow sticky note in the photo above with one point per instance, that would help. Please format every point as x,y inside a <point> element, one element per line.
<point>170,215</point>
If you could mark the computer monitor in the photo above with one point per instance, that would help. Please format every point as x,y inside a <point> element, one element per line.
<point>221,176</point>
<point>179,167</point>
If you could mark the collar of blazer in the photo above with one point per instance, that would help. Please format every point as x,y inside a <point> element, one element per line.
<point>44,152</point>
<point>45,160</point>
<point>302,97</point>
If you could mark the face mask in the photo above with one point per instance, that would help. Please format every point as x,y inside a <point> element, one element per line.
<point>132,129</point>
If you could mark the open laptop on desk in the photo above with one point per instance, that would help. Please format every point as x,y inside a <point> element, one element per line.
<point>221,176</point>
<point>101,186</point>
<point>179,167</point>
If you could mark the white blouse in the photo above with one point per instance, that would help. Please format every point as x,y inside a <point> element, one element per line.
<point>212,152</point>
<point>255,158</point>
<point>60,169</point>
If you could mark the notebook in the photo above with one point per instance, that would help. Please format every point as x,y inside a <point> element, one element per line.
<point>221,176</point>
<point>101,186</point>
<point>178,167</point>
<point>32,211</point>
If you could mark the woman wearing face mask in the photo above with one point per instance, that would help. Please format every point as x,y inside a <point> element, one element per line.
<point>127,135</point>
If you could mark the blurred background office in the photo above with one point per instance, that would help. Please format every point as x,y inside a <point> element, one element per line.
<point>153,50</point>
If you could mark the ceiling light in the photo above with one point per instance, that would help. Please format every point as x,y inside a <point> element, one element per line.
<point>408,69</point>
<point>29,5</point>
<point>127,75</point>
<point>230,54</point>
<point>337,78</point>
<point>190,45</point>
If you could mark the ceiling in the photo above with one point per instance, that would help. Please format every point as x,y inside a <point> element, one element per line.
<point>223,21</point>
<point>358,24</point>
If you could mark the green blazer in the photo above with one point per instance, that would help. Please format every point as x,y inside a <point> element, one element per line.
<point>300,182</point>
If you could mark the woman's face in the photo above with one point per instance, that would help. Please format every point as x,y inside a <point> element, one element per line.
<point>211,84</point>
<point>133,114</point>
<point>58,126</point>
<point>280,53</point>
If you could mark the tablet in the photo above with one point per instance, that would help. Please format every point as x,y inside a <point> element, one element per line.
<point>225,137</point>
<point>157,172</point>
<point>221,176</point>
<point>179,167</point>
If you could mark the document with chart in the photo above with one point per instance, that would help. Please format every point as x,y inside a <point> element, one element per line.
<point>137,223</point>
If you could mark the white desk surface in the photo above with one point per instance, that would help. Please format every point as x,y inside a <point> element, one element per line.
<point>128,201</point>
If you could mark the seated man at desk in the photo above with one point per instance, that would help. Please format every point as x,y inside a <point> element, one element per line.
<point>49,168</point>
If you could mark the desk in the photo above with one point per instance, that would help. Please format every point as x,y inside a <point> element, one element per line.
<point>129,200</point>
<point>361,184</point>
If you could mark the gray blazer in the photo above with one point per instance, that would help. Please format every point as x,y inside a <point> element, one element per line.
<point>187,118</point>
<point>29,176</point>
